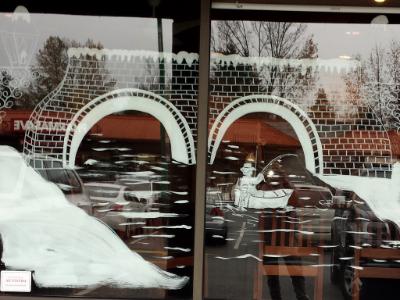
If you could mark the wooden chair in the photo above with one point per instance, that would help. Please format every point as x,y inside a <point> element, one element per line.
<point>364,256</point>
<point>361,271</point>
<point>282,235</point>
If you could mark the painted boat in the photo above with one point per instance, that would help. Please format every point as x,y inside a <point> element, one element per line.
<point>269,199</point>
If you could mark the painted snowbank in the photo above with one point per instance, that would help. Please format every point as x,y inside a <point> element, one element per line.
<point>44,233</point>
<point>381,194</point>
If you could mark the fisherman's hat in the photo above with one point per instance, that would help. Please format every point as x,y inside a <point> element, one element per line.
<point>247,166</point>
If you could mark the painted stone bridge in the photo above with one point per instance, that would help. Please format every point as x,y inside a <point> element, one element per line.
<point>101,82</point>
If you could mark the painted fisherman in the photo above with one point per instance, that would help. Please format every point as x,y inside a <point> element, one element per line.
<point>246,185</point>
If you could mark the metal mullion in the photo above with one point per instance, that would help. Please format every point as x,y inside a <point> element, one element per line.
<point>201,159</point>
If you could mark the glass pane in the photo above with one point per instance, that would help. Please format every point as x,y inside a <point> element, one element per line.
<point>303,191</point>
<point>97,152</point>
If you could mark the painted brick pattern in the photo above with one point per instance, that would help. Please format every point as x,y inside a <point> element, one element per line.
<point>354,145</point>
<point>88,78</point>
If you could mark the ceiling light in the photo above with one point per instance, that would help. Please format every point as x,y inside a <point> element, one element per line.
<point>379,1</point>
<point>381,19</point>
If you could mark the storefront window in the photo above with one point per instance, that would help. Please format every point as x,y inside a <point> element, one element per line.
<point>98,125</point>
<point>103,140</point>
<point>303,150</point>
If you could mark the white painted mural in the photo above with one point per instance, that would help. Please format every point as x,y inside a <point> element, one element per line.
<point>44,233</point>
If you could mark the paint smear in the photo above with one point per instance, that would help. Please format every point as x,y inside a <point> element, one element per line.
<point>63,246</point>
<point>232,158</point>
<point>178,249</point>
<point>224,172</point>
<point>146,215</point>
<point>172,227</point>
<point>178,192</point>
<point>167,236</point>
<point>288,230</point>
<point>244,256</point>
<point>217,236</point>
<point>155,168</point>
<point>181,201</point>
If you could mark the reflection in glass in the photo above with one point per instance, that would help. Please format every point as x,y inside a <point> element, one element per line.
<point>303,150</point>
<point>103,204</point>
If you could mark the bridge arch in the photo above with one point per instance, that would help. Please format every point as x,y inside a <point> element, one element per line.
<point>179,133</point>
<point>290,112</point>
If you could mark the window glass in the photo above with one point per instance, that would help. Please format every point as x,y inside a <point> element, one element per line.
<point>303,151</point>
<point>98,119</point>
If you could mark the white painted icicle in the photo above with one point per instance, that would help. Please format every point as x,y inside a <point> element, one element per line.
<point>43,232</point>
<point>328,65</point>
<point>131,55</point>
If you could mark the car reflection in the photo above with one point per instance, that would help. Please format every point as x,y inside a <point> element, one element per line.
<point>216,228</point>
<point>67,179</point>
<point>340,222</point>
<point>110,199</point>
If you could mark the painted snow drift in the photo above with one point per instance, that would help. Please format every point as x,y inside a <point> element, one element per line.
<point>63,246</point>
<point>381,194</point>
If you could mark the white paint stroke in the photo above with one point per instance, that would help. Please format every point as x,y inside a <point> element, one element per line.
<point>164,257</point>
<point>63,246</point>
<point>217,236</point>
<point>181,201</point>
<point>240,257</point>
<point>224,172</point>
<point>147,215</point>
<point>168,236</point>
<point>178,249</point>
<point>178,193</point>
<point>171,226</point>
<point>287,230</point>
